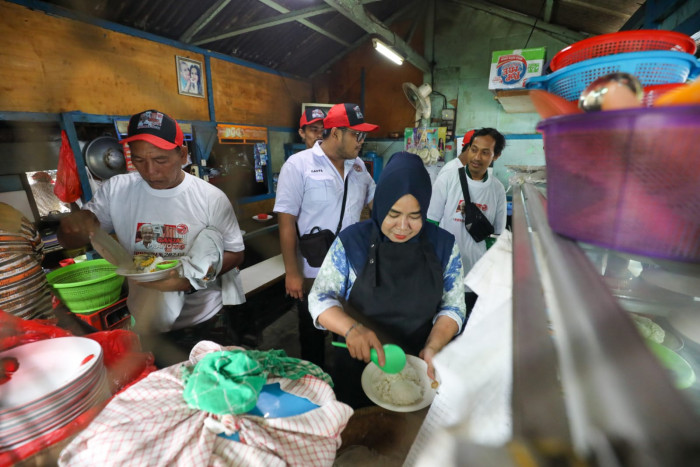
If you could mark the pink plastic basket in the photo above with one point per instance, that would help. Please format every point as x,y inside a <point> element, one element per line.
<point>627,179</point>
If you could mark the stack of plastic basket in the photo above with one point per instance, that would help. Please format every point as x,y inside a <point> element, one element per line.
<point>625,179</point>
<point>659,59</point>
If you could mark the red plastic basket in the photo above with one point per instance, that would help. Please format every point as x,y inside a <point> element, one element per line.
<point>622,42</point>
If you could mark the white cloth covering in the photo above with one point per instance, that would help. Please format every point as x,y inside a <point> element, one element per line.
<point>475,370</point>
<point>158,311</point>
<point>151,424</point>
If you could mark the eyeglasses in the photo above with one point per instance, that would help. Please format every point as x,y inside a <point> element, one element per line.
<point>359,135</point>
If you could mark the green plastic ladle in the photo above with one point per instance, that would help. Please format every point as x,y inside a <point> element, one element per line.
<point>167,264</point>
<point>394,357</point>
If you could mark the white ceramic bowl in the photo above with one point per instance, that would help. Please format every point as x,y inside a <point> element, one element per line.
<point>372,373</point>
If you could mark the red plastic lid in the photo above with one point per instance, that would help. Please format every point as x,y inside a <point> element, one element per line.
<point>623,42</point>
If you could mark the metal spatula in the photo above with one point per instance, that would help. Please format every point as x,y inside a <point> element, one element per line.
<point>111,250</point>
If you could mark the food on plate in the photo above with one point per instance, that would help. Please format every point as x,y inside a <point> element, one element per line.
<point>649,329</point>
<point>434,384</point>
<point>403,388</point>
<point>263,216</point>
<point>146,263</point>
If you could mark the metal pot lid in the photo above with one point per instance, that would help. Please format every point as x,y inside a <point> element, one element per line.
<point>104,157</point>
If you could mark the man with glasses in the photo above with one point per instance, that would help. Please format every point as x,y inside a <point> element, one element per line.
<point>447,202</point>
<point>310,194</point>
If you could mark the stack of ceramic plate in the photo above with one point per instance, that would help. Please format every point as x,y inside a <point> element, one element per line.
<point>56,381</point>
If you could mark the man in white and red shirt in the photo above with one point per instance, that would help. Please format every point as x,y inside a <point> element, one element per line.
<point>487,192</point>
<point>160,210</point>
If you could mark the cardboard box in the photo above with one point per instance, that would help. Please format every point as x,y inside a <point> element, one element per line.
<point>510,69</point>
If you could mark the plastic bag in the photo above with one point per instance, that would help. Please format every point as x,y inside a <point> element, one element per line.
<point>67,187</point>
<point>16,331</point>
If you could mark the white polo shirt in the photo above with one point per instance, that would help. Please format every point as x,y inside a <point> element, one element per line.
<point>311,189</point>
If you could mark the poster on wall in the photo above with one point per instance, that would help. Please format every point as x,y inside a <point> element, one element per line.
<point>189,76</point>
<point>427,142</point>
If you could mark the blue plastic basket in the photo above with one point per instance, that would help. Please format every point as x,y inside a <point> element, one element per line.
<point>655,67</point>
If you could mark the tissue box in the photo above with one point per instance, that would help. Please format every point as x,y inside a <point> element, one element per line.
<point>510,69</point>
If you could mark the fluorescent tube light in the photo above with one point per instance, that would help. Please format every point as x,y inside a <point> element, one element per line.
<point>388,52</point>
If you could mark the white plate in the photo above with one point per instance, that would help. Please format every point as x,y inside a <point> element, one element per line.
<point>372,372</point>
<point>46,366</point>
<point>269,218</point>
<point>147,276</point>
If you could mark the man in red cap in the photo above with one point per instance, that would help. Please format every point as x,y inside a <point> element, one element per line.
<point>177,206</point>
<point>315,186</point>
<point>480,149</point>
<point>311,125</point>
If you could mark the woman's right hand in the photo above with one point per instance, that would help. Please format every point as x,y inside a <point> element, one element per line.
<point>360,341</point>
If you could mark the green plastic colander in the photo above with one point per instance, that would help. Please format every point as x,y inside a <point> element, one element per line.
<point>88,286</point>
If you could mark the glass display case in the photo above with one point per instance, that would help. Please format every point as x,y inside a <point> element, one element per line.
<point>605,353</point>
<point>626,347</point>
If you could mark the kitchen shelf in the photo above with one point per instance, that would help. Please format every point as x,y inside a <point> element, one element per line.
<point>515,101</point>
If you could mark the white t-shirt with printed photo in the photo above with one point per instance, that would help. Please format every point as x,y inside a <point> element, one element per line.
<point>446,208</point>
<point>125,203</point>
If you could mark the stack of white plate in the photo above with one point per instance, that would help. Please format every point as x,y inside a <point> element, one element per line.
<point>57,380</point>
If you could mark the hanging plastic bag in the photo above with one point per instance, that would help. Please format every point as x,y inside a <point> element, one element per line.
<point>67,187</point>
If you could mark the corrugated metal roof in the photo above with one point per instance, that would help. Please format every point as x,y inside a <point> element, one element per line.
<point>302,46</point>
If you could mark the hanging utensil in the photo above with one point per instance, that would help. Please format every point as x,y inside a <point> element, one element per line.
<point>104,157</point>
<point>111,250</point>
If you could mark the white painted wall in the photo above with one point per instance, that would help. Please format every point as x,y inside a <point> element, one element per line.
<point>464,40</point>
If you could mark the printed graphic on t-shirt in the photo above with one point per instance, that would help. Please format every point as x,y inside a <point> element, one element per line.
<point>460,210</point>
<point>161,239</point>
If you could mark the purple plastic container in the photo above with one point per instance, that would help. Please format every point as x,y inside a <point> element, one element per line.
<point>627,179</point>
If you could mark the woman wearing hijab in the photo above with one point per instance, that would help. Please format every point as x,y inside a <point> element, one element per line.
<point>394,278</point>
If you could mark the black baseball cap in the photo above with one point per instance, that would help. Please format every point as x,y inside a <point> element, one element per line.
<point>156,128</point>
<point>311,115</point>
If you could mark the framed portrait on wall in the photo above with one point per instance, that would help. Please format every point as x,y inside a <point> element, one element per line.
<point>190,76</point>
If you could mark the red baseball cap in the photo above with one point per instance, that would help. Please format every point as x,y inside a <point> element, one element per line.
<point>347,116</point>
<point>311,115</point>
<point>156,128</point>
<point>467,138</point>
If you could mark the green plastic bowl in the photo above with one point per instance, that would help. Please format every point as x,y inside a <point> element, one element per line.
<point>88,286</point>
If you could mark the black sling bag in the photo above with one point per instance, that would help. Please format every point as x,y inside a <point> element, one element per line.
<point>475,222</point>
<point>315,244</point>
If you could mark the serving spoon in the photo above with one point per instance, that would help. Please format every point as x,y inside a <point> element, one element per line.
<point>394,357</point>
